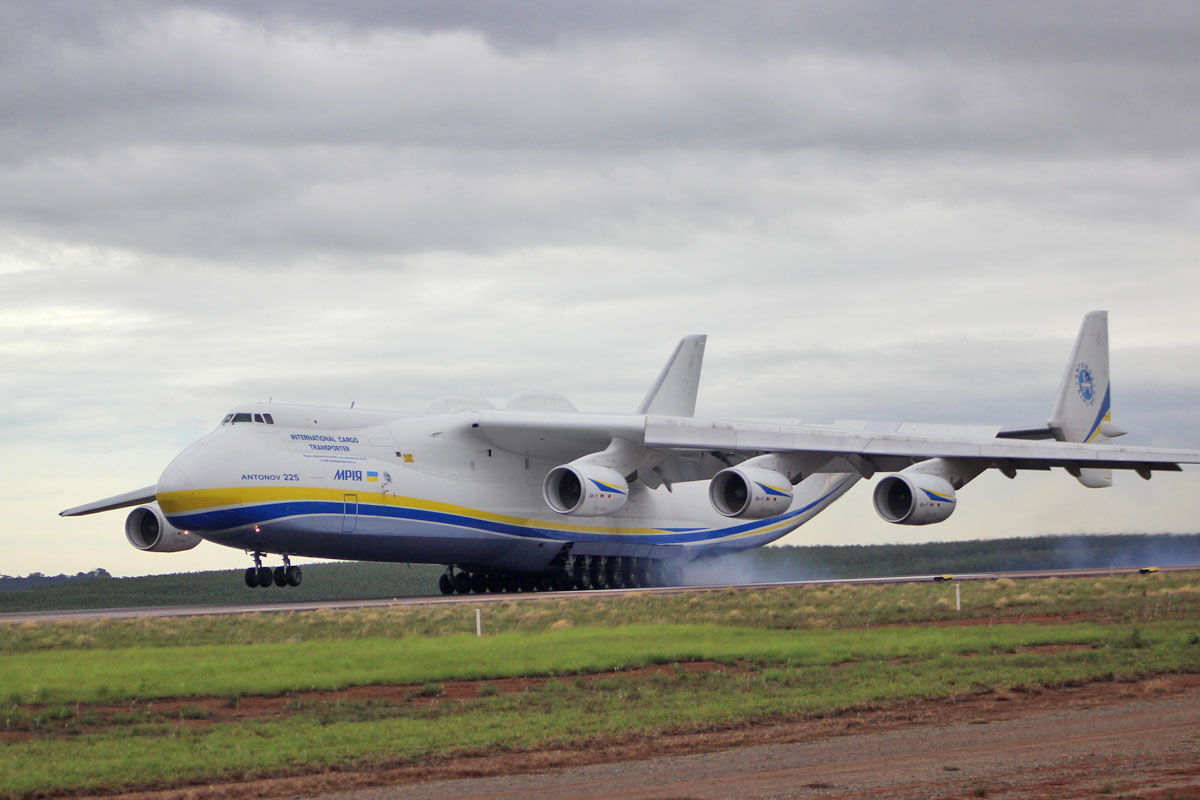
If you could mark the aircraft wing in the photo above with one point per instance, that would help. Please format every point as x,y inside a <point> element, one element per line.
<point>834,448</point>
<point>137,497</point>
<point>885,452</point>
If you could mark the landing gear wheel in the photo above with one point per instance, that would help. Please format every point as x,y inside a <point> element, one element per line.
<point>628,573</point>
<point>294,576</point>
<point>462,583</point>
<point>613,573</point>
<point>478,582</point>
<point>562,582</point>
<point>495,582</point>
<point>445,584</point>
<point>279,574</point>
<point>252,578</point>
<point>643,572</point>
<point>264,576</point>
<point>581,574</point>
<point>599,570</point>
<point>543,583</point>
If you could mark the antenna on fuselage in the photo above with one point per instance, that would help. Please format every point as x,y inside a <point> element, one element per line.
<point>352,404</point>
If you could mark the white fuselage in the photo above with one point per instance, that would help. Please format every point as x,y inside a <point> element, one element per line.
<point>341,483</point>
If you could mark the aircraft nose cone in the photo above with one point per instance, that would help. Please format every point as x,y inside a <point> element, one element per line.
<point>174,479</point>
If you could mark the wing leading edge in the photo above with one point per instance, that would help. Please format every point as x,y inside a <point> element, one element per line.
<point>884,452</point>
<point>137,497</point>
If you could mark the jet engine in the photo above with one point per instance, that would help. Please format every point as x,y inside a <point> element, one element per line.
<point>750,492</point>
<point>147,529</point>
<point>585,490</point>
<point>914,498</point>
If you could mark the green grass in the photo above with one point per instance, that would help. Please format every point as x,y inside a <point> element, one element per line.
<point>1118,599</point>
<point>110,676</point>
<point>80,696</point>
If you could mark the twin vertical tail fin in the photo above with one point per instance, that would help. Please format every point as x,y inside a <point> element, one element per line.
<point>1082,410</point>
<point>674,390</point>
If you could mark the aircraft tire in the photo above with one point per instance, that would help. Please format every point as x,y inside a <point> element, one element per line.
<point>495,582</point>
<point>673,574</point>
<point>599,570</point>
<point>462,583</point>
<point>264,576</point>
<point>252,578</point>
<point>512,583</point>
<point>294,576</point>
<point>644,571</point>
<point>583,577</point>
<point>615,575</point>
<point>279,575</point>
<point>543,583</point>
<point>445,584</point>
<point>528,583</point>
<point>478,582</point>
<point>563,582</point>
<point>629,572</point>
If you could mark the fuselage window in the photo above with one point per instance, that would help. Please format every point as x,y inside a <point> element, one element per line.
<point>241,417</point>
<point>267,417</point>
<point>258,418</point>
<point>228,418</point>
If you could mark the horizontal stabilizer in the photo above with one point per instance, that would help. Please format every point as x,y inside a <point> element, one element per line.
<point>137,497</point>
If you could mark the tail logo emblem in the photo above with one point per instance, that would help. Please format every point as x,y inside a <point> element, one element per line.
<point>1085,383</point>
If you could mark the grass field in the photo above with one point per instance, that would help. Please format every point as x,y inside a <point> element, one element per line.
<point>83,703</point>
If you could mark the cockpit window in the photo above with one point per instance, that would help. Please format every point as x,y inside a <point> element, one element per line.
<point>246,416</point>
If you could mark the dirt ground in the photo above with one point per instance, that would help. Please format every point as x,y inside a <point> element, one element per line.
<point>1135,739</point>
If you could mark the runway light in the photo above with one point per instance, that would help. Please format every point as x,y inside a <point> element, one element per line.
<point>256,529</point>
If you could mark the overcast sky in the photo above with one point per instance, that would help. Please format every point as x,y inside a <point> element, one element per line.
<point>875,210</point>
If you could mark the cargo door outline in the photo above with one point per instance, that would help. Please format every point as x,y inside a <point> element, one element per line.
<point>350,513</point>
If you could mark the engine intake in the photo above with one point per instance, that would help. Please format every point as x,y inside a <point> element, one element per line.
<point>585,490</point>
<point>914,499</point>
<point>749,492</point>
<point>147,529</point>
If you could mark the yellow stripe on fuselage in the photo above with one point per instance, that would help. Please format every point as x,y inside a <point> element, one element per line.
<point>200,500</point>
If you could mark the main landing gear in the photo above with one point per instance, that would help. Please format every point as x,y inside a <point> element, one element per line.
<point>579,572</point>
<point>287,575</point>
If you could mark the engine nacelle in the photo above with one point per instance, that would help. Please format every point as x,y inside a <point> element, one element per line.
<point>750,492</point>
<point>914,498</point>
<point>585,490</point>
<point>147,529</point>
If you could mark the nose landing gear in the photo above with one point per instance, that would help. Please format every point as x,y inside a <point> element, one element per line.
<point>258,575</point>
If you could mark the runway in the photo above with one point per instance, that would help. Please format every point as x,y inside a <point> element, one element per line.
<point>476,599</point>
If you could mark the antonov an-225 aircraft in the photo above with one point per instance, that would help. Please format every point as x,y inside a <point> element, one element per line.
<point>540,496</point>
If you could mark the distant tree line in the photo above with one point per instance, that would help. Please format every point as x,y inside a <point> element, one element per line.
<point>36,580</point>
<point>365,580</point>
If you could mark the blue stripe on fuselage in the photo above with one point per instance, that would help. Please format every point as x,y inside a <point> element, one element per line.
<point>229,518</point>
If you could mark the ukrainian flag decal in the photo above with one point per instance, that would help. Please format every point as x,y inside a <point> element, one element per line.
<point>372,477</point>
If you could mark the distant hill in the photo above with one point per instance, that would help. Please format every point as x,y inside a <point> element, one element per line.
<point>364,580</point>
